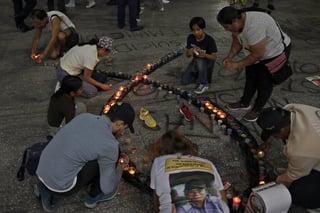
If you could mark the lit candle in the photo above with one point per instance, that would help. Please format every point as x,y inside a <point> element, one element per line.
<point>148,66</point>
<point>121,160</point>
<point>145,77</point>
<point>121,88</point>
<point>262,182</point>
<point>106,109</point>
<point>132,170</point>
<point>117,95</point>
<point>236,202</point>
<point>222,116</point>
<point>260,154</point>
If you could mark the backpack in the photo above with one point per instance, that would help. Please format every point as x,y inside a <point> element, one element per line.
<point>30,159</point>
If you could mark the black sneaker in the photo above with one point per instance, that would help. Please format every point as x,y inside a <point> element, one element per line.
<point>251,116</point>
<point>24,28</point>
<point>138,28</point>
<point>237,106</point>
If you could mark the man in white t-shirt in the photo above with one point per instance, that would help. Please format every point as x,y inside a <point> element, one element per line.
<point>60,27</point>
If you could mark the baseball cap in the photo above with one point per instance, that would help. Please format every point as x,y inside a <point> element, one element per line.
<point>106,42</point>
<point>194,184</point>
<point>271,120</point>
<point>124,112</point>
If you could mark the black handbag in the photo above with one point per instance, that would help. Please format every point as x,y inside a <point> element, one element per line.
<point>283,74</point>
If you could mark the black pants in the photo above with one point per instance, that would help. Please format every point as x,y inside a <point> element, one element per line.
<point>22,10</point>
<point>132,4</point>
<point>60,4</point>
<point>259,79</point>
<point>305,191</point>
<point>89,175</point>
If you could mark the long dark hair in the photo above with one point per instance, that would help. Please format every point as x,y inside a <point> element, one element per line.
<point>69,84</point>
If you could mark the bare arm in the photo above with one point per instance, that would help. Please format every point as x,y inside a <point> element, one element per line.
<point>87,75</point>
<point>55,29</point>
<point>211,57</point>
<point>235,48</point>
<point>36,40</point>
<point>284,179</point>
<point>256,53</point>
<point>189,52</point>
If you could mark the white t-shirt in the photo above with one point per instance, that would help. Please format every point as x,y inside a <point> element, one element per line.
<point>65,22</point>
<point>260,25</point>
<point>78,58</point>
<point>303,144</point>
<point>169,174</point>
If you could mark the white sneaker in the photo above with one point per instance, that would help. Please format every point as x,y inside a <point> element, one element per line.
<point>91,4</point>
<point>201,89</point>
<point>70,5</point>
<point>165,1</point>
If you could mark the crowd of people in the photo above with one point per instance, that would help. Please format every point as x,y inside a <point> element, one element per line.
<point>72,160</point>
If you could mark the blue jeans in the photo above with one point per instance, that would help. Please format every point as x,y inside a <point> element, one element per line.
<point>89,90</point>
<point>198,67</point>
<point>132,4</point>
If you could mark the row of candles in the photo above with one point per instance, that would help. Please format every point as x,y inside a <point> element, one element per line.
<point>215,112</point>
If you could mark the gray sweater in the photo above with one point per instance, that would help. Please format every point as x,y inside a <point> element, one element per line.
<point>87,137</point>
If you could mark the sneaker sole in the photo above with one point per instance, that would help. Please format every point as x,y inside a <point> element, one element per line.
<point>250,120</point>
<point>200,92</point>
<point>242,108</point>
<point>91,206</point>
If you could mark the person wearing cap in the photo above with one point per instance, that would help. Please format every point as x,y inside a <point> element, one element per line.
<point>199,199</point>
<point>60,27</point>
<point>83,153</point>
<point>81,61</point>
<point>298,126</point>
<point>175,162</point>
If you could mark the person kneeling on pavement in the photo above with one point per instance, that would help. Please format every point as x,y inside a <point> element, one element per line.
<point>298,126</point>
<point>84,153</point>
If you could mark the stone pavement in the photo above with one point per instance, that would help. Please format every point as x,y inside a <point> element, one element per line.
<point>26,88</point>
